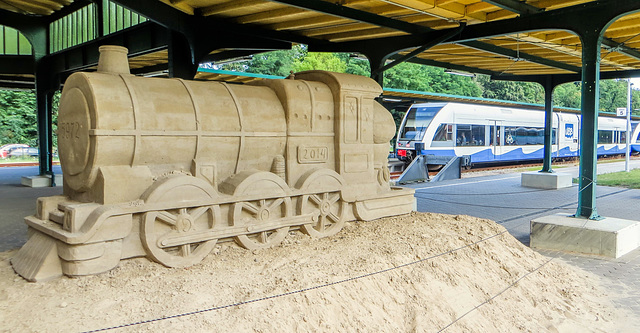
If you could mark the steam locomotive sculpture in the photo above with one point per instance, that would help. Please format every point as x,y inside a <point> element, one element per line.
<point>165,168</point>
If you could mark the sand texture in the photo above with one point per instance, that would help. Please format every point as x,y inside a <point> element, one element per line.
<point>415,273</point>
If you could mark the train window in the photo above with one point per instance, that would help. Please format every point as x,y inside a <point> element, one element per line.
<point>470,135</point>
<point>443,133</point>
<point>522,136</point>
<point>417,121</point>
<point>638,137</point>
<point>605,137</point>
<point>623,137</point>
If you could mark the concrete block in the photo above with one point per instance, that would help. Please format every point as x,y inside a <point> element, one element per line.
<point>610,237</point>
<point>546,180</point>
<point>41,181</point>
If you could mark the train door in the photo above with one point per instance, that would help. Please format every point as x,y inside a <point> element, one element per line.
<point>495,139</point>
<point>568,139</point>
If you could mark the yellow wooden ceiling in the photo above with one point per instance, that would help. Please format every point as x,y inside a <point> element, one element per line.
<point>559,46</point>
<point>34,7</point>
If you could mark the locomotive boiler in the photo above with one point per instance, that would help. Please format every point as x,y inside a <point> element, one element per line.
<point>166,168</point>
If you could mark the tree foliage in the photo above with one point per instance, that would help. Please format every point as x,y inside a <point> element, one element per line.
<point>526,92</point>
<point>18,117</point>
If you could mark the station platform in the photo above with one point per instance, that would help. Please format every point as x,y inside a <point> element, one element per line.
<point>499,197</point>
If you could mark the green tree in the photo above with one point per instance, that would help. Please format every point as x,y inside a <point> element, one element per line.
<point>613,94</point>
<point>355,65</point>
<point>18,117</point>
<point>567,95</point>
<point>526,92</point>
<point>320,61</point>
<point>430,79</point>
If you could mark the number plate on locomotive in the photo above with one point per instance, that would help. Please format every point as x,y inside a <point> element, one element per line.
<point>312,154</point>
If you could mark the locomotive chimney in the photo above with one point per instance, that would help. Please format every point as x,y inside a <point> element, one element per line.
<point>113,59</point>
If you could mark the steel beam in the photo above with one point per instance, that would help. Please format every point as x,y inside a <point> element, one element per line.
<point>23,23</point>
<point>341,11</point>
<point>447,65</point>
<point>16,82</point>
<point>417,51</point>
<point>570,19</point>
<point>16,64</point>
<point>564,78</point>
<point>140,39</point>
<point>390,45</point>
<point>190,25</point>
<point>519,55</point>
<point>517,7</point>
<point>620,48</point>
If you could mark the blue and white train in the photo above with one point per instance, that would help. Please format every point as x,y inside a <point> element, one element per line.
<point>496,134</point>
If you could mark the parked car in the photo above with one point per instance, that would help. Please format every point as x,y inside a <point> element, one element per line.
<point>4,150</point>
<point>22,152</point>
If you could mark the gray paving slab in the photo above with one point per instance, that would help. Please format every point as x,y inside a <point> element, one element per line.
<point>16,202</point>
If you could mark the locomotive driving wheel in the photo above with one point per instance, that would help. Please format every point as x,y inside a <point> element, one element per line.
<point>258,214</point>
<point>328,210</point>
<point>178,237</point>
<point>325,203</point>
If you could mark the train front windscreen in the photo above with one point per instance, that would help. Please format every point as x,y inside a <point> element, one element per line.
<point>415,125</point>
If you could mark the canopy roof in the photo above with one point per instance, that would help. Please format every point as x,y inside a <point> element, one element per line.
<point>505,38</point>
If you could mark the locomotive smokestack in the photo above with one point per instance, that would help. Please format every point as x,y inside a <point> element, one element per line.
<point>113,59</point>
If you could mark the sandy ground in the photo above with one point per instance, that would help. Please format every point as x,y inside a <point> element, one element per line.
<point>421,272</point>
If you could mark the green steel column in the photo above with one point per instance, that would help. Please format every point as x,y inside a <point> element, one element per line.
<point>38,36</point>
<point>43,104</point>
<point>377,58</point>
<point>180,61</point>
<point>591,40</point>
<point>548,124</point>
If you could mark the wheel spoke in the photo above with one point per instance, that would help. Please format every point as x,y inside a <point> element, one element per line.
<point>333,217</point>
<point>167,218</point>
<point>196,213</point>
<point>275,204</point>
<point>253,209</point>
<point>315,199</point>
<point>321,221</point>
<point>334,198</point>
<point>186,250</point>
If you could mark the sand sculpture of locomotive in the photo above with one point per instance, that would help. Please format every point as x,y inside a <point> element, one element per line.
<point>165,168</point>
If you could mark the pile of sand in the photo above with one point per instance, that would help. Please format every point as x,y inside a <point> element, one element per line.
<point>422,297</point>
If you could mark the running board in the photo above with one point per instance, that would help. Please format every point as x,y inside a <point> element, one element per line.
<point>418,170</point>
